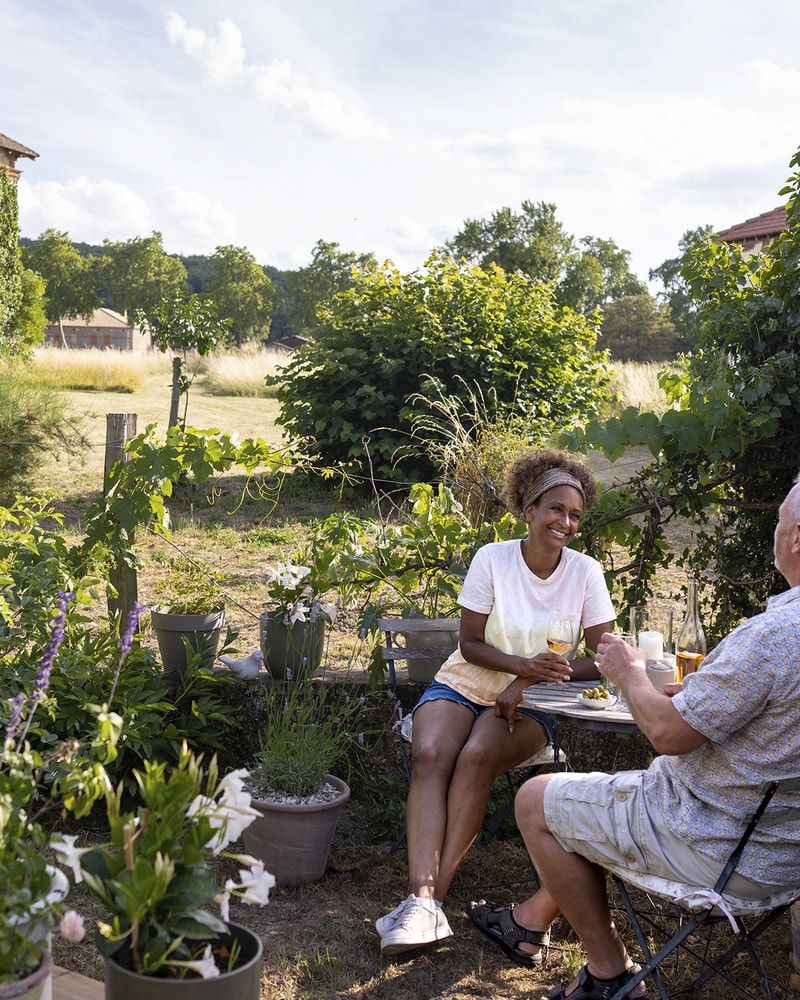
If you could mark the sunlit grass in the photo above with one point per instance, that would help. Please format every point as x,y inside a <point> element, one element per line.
<point>94,369</point>
<point>636,384</point>
<point>242,372</point>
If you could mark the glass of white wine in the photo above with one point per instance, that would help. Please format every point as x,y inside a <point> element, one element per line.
<point>560,635</point>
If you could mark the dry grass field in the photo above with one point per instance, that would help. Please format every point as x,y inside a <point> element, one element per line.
<point>319,939</point>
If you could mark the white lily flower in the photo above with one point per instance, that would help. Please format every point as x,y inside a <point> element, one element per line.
<point>298,613</point>
<point>232,783</point>
<point>205,966</point>
<point>256,884</point>
<point>70,854</point>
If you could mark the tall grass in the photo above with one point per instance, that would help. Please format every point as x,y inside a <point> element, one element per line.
<point>636,383</point>
<point>94,369</point>
<point>242,372</point>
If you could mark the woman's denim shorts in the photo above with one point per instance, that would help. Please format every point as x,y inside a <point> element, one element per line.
<point>436,691</point>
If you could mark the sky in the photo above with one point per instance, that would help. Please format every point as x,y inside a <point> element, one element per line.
<point>384,126</point>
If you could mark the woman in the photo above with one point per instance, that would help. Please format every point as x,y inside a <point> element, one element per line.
<point>469,725</point>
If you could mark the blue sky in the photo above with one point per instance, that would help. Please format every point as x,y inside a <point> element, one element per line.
<point>382,126</point>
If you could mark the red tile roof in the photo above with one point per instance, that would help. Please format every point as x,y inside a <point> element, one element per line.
<point>765,227</point>
<point>16,147</point>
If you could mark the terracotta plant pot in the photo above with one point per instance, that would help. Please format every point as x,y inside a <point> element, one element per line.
<point>291,650</point>
<point>243,982</point>
<point>34,986</point>
<point>200,631</point>
<point>294,840</point>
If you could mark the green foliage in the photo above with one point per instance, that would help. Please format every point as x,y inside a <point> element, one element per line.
<point>33,419</point>
<point>31,317</point>
<point>189,588</point>
<point>331,271</point>
<point>307,730</point>
<point>725,454</point>
<point>242,294</point>
<point>676,294</point>
<point>72,282</point>
<point>533,241</point>
<point>10,260</point>
<point>140,275</point>
<point>393,340</point>
<point>414,568</point>
<point>183,325</point>
<point>637,328</point>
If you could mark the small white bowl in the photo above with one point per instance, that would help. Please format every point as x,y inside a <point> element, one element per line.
<point>597,704</point>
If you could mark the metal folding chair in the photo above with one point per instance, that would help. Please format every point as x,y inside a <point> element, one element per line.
<point>704,914</point>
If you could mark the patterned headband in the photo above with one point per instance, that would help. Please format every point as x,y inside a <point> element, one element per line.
<point>548,480</point>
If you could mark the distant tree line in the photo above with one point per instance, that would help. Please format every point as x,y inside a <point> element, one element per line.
<point>263,303</point>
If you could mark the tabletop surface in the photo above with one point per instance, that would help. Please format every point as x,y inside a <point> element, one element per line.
<point>562,699</point>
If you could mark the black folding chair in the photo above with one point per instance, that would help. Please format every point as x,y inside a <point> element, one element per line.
<point>704,914</point>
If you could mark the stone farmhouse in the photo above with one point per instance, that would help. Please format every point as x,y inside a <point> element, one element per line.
<point>104,329</point>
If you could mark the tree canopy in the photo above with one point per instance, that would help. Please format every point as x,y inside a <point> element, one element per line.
<point>728,450</point>
<point>242,293</point>
<point>449,329</point>
<point>72,285</point>
<point>140,274</point>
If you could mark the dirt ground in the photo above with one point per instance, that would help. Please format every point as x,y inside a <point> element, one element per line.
<point>320,941</point>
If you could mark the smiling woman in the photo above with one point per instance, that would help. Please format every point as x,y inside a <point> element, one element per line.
<point>470,724</point>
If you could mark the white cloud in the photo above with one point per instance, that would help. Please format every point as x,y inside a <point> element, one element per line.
<point>89,211</point>
<point>277,85</point>
<point>769,76</point>
<point>195,222</point>
<point>222,56</point>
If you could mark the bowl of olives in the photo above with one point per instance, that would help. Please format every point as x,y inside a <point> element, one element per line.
<point>596,698</point>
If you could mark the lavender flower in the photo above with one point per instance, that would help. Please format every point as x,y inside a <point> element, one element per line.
<point>50,650</point>
<point>17,704</point>
<point>125,643</point>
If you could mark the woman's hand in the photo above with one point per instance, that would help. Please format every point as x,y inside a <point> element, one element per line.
<point>505,707</point>
<point>546,667</point>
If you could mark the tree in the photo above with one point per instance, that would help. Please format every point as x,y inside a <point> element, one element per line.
<point>584,274</point>
<point>71,279</point>
<point>682,306</point>
<point>638,328</point>
<point>140,275</point>
<point>242,293</point>
<point>532,241</point>
<point>331,271</point>
<point>180,326</point>
<point>10,258</point>
<point>393,341</point>
<point>598,275</point>
<point>31,317</point>
<point>726,452</point>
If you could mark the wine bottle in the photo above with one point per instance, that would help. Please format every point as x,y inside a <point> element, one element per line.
<point>690,648</point>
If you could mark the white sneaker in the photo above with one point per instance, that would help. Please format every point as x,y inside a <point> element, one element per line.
<point>416,926</point>
<point>384,924</point>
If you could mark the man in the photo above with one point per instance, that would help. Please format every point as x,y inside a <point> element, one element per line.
<point>729,727</point>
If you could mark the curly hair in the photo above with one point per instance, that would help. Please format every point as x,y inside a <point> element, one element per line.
<point>522,473</point>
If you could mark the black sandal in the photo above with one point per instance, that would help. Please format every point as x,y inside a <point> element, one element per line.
<point>591,988</point>
<point>497,922</point>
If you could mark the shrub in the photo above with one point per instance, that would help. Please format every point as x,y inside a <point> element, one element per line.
<point>394,340</point>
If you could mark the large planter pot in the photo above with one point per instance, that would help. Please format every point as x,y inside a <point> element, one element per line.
<point>424,669</point>
<point>294,839</point>
<point>36,986</point>
<point>243,982</point>
<point>200,631</point>
<point>291,650</point>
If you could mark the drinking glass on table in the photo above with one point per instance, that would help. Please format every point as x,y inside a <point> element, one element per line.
<point>560,635</point>
<point>610,686</point>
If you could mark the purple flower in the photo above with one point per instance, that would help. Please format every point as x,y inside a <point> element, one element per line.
<point>50,650</point>
<point>17,703</point>
<point>131,625</point>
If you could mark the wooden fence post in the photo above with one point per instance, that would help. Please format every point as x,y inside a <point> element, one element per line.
<point>120,427</point>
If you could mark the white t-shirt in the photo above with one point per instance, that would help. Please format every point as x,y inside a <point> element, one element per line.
<point>520,605</point>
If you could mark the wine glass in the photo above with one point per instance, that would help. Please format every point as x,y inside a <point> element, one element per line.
<point>560,635</point>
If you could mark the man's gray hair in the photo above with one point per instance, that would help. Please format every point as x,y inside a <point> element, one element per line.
<point>794,501</point>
